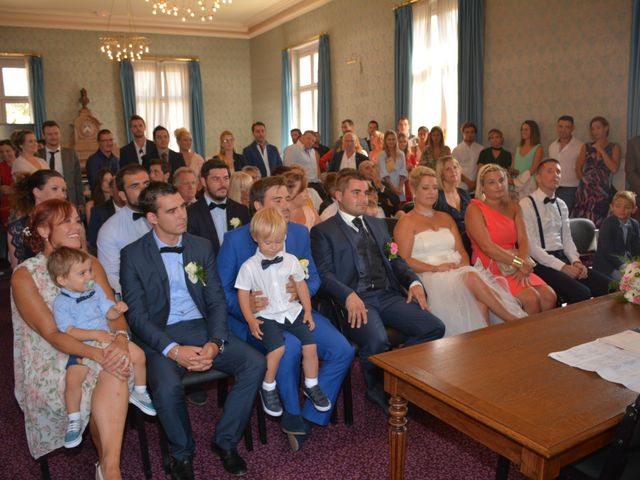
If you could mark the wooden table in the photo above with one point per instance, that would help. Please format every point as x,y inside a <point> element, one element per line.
<point>498,386</point>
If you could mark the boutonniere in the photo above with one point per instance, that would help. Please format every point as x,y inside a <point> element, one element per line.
<point>195,272</point>
<point>235,222</point>
<point>391,249</point>
<point>304,263</point>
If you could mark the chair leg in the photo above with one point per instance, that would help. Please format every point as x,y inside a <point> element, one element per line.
<point>502,470</point>
<point>44,468</point>
<point>347,398</point>
<point>262,425</point>
<point>334,416</point>
<point>144,445</point>
<point>164,450</point>
<point>223,388</point>
<point>248,437</point>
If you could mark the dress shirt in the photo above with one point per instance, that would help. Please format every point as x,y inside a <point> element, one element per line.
<point>117,232</point>
<point>141,151</point>
<point>567,157</point>
<point>557,233</point>
<point>89,314</point>
<point>626,227</point>
<point>306,158</point>
<point>272,281</point>
<point>330,211</point>
<point>467,156</point>
<point>57,155</point>
<point>348,162</point>
<point>219,217</point>
<point>286,153</point>
<point>265,158</point>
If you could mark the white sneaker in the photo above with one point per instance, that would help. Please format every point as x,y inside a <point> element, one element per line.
<point>143,402</point>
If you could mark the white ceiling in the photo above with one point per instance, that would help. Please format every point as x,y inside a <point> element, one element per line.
<point>241,19</point>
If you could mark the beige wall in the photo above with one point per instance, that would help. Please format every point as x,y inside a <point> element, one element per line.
<point>72,61</point>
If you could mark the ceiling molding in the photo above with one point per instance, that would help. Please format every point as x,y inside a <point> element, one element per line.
<point>257,24</point>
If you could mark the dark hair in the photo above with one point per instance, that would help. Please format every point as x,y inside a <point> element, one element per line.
<point>62,259</point>
<point>281,170</point>
<point>535,132</point>
<point>50,212</point>
<point>164,165</point>
<point>260,187</point>
<point>148,197</point>
<point>211,164</point>
<point>347,120</point>
<point>403,118</point>
<point>566,118</point>
<point>159,128</point>
<point>602,120</point>
<point>374,121</point>
<point>97,195</point>
<point>309,131</point>
<point>131,169</point>
<point>344,176</point>
<point>329,182</point>
<point>135,117</point>
<point>545,161</point>
<point>23,199</point>
<point>296,130</point>
<point>20,137</point>
<point>255,124</point>
<point>104,131</point>
<point>50,123</point>
<point>469,125</point>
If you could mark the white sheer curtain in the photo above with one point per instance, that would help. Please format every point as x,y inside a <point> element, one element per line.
<point>435,66</point>
<point>162,95</point>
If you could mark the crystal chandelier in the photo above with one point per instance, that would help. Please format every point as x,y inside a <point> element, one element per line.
<point>125,46</point>
<point>188,9</point>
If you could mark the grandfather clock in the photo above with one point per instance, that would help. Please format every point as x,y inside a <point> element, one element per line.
<point>85,131</point>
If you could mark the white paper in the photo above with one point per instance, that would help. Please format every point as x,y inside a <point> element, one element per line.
<point>627,340</point>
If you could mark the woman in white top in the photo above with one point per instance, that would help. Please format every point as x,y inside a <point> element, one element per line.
<point>191,159</point>
<point>458,294</point>
<point>27,162</point>
<point>300,211</point>
<point>393,165</point>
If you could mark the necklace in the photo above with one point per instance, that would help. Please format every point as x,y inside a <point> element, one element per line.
<point>427,213</point>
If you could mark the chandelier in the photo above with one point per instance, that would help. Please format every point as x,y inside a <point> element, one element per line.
<point>188,9</point>
<point>125,46</point>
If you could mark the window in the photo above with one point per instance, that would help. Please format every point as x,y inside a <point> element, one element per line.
<point>435,66</point>
<point>162,95</point>
<point>15,91</point>
<point>304,82</point>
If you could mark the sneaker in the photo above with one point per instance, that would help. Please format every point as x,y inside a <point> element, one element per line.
<point>271,402</point>
<point>318,398</point>
<point>73,436</point>
<point>143,402</point>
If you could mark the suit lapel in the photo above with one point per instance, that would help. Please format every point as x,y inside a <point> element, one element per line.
<point>208,221</point>
<point>156,261</point>
<point>347,231</point>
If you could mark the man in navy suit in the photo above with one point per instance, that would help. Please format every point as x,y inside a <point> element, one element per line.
<point>358,271</point>
<point>213,214</point>
<point>334,351</point>
<point>139,146</point>
<point>260,153</point>
<point>178,315</point>
<point>161,138</point>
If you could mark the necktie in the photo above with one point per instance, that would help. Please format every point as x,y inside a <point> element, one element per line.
<point>52,160</point>
<point>214,205</point>
<point>82,298</point>
<point>549,200</point>
<point>137,215</point>
<point>172,250</point>
<point>267,263</point>
<point>164,156</point>
<point>359,225</point>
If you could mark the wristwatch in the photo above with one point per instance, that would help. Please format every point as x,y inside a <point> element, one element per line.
<point>219,343</point>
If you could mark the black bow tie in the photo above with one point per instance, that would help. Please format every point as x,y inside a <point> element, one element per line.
<point>171,249</point>
<point>549,200</point>
<point>267,263</point>
<point>82,298</point>
<point>137,215</point>
<point>214,205</point>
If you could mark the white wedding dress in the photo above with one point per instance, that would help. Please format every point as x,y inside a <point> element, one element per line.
<point>448,297</point>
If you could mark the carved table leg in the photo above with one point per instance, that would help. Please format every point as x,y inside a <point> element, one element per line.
<point>397,436</point>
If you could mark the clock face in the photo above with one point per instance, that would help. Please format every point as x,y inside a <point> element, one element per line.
<point>88,129</point>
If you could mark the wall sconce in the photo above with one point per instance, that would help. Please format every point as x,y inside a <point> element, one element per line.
<point>353,60</point>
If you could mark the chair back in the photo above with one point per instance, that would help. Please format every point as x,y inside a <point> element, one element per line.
<point>583,232</point>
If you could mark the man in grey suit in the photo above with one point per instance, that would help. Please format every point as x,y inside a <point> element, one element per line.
<point>64,160</point>
<point>632,167</point>
<point>178,315</point>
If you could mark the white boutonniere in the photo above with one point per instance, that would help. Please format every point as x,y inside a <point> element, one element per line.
<point>304,263</point>
<point>235,222</point>
<point>195,273</point>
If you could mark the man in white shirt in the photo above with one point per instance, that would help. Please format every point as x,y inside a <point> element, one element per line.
<point>308,158</point>
<point>296,134</point>
<point>546,217</point>
<point>467,153</point>
<point>125,226</point>
<point>566,150</point>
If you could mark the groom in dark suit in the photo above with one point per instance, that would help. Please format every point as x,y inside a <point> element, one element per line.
<point>375,287</point>
<point>178,315</point>
<point>214,214</point>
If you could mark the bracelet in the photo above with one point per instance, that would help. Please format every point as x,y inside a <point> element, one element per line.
<point>517,262</point>
<point>123,333</point>
<point>175,357</point>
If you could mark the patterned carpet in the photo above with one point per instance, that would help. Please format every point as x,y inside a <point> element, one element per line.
<point>435,451</point>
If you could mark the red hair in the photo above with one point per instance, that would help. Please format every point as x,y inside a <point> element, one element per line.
<point>46,214</point>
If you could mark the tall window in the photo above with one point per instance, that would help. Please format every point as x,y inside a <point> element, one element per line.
<point>435,66</point>
<point>162,95</point>
<point>304,80</point>
<point>15,91</point>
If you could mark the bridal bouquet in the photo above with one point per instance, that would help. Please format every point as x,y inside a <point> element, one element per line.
<point>630,281</point>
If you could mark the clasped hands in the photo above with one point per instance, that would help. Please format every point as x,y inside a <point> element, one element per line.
<point>194,359</point>
<point>576,270</point>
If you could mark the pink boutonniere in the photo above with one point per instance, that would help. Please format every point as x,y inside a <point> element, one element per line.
<point>391,249</point>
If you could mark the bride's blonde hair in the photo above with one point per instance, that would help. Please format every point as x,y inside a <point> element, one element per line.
<point>415,177</point>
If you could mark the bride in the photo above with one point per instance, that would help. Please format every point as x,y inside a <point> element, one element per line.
<point>460,295</point>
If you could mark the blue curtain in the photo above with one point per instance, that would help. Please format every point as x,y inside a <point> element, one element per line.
<point>196,107</point>
<point>470,62</point>
<point>324,90</point>
<point>402,67</point>
<point>127,85</point>
<point>633,114</point>
<point>37,90</point>
<point>286,99</point>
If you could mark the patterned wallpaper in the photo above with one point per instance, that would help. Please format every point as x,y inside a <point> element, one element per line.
<point>72,61</point>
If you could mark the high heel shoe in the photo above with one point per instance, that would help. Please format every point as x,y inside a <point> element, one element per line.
<point>99,475</point>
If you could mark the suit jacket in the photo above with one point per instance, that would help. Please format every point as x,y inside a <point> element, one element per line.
<point>334,165</point>
<point>238,161</point>
<point>129,153</point>
<point>145,288</point>
<point>200,223</point>
<point>611,244</point>
<point>72,172</point>
<point>252,157</point>
<point>176,160</point>
<point>99,215</point>
<point>336,255</point>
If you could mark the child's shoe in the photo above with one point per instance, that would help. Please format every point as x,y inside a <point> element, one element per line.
<point>73,436</point>
<point>271,402</point>
<point>318,398</point>
<point>143,402</point>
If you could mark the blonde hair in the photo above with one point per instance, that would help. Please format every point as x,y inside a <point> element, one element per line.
<point>266,223</point>
<point>179,172</point>
<point>625,195</point>
<point>180,132</point>
<point>380,136</point>
<point>415,177</point>
<point>390,161</point>
<point>442,161</point>
<point>62,259</point>
<point>240,182</point>
<point>488,168</point>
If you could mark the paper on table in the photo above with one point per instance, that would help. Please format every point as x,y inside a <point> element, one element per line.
<point>627,340</point>
<point>611,363</point>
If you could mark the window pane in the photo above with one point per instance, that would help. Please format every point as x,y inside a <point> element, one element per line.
<point>15,82</point>
<point>305,70</point>
<point>18,112</point>
<point>306,110</point>
<point>315,67</point>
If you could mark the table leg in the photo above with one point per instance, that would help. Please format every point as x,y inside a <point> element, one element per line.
<point>397,436</point>
<point>502,470</point>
